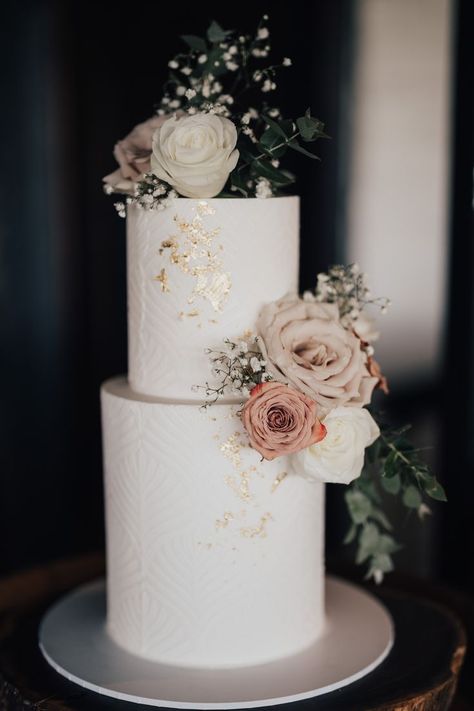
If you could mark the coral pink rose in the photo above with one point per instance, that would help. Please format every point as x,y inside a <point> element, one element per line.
<point>132,154</point>
<point>280,420</point>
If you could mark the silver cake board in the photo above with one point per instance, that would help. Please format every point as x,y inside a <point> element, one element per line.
<point>358,636</point>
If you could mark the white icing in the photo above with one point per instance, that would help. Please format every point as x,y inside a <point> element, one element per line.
<point>203,568</point>
<point>170,324</point>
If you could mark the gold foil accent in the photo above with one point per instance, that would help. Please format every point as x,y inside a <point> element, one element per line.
<point>278,480</point>
<point>258,531</point>
<point>189,314</point>
<point>196,253</point>
<point>226,518</point>
<point>162,277</point>
<point>231,449</point>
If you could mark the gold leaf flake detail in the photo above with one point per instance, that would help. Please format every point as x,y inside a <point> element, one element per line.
<point>226,519</point>
<point>258,531</point>
<point>162,277</point>
<point>196,253</point>
<point>279,478</point>
<point>231,449</point>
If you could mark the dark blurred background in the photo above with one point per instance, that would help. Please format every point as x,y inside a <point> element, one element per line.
<point>392,80</point>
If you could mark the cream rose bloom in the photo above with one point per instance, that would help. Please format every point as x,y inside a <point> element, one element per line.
<point>195,154</point>
<point>306,346</point>
<point>339,457</point>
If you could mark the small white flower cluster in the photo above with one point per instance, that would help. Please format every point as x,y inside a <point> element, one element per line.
<point>263,189</point>
<point>238,368</point>
<point>150,194</point>
<point>347,287</point>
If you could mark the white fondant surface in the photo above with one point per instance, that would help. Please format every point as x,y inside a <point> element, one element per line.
<point>169,324</point>
<point>210,562</point>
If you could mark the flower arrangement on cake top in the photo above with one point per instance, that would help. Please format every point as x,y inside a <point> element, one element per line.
<point>307,375</point>
<point>216,131</point>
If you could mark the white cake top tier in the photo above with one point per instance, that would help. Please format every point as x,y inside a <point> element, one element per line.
<point>199,271</point>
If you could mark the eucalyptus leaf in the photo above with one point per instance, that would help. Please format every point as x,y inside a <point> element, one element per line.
<point>436,491</point>
<point>351,534</point>
<point>390,467</point>
<point>369,537</point>
<point>412,497</point>
<point>266,170</point>
<point>275,126</point>
<point>358,504</point>
<point>379,516</point>
<point>297,147</point>
<point>195,42</point>
<point>215,33</point>
<point>391,484</point>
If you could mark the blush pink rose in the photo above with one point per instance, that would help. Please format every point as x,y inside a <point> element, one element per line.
<point>280,420</point>
<point>306,346</point>
<point>132,154</point>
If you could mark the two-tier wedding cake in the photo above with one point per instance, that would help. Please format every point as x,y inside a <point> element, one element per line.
<point>243,398</point>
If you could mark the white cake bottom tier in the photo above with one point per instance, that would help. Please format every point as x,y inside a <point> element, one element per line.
<point>214,557</point>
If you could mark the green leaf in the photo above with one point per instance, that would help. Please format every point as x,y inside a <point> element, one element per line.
<point>215,33</point>
<point>310,128</point>
<point>351,534</point>
<point>269,140</point>
<point>412,497</point>
<point>387,544</point>
<point>369,537</point>
<point>358,504</point>
<point>296,147</point>
<point>379,516</point>
<point>275,127</point>
<point>195,42</point>
<point>435,490</point>
<point>390,467</point>
<point>391,485</point>
<point>266,170</point>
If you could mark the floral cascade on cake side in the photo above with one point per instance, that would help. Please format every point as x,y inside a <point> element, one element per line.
<point>307,374</point>
<point>215,131</point>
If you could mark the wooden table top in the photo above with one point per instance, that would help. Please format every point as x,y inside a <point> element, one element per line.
<point>420,673</point>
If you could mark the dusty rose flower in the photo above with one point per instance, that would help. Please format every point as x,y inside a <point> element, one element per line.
<point>280,420</point>
<point>132,154</point>
<point>376,372</point>
<point>306,346</point>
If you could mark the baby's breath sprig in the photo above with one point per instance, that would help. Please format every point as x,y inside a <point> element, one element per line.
<point>150,194</point>
<point>347,287</point>
<point>237,368</point>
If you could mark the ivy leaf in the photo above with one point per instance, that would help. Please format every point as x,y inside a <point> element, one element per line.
<point>215,33</point>
<point>359,505</point>
<point>391,485</point>
<point>412,497</point>
<point>194,42</point>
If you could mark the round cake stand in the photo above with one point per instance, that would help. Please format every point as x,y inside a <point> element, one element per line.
<point>358,636</point>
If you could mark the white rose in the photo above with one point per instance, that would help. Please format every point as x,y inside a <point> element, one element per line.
<point>339,457</point>
<point>195,154</point>
<point>364,326</point>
